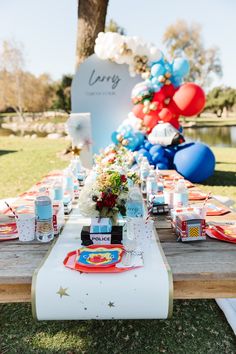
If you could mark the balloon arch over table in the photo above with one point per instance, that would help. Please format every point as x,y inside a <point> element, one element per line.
<point>152,129</point>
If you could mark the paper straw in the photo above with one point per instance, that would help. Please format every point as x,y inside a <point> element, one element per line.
<point>208,196</point>
<point>150,209</point>
<point>16,216</point>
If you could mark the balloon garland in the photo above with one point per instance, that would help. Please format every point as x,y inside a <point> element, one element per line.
<point>152,129</point>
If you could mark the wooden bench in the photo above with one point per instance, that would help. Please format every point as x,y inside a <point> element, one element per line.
<point>203,269</point>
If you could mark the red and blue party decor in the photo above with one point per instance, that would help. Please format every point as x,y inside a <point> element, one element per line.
<point>152,129</point>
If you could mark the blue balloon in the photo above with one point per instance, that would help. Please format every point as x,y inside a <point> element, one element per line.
<point>157,70</point>
<point>176,80</point>
<point>170,153</point>
<point>133,143</point>
<point>162,166</point>
<point>157,157</point>
<point>180,67</point>
<point>195,161</point>
<point>114,138</point>
<point>156,148</point>
<point>148,145</point>
<point>157,88</point>
<point>154,81</point>
<point>128,134</point>
<point>168,67</point>
<point>142,151</point>
<point>140,138</point>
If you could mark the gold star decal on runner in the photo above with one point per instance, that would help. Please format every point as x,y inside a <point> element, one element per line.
<point>111,304</point>
<point>62,292</point>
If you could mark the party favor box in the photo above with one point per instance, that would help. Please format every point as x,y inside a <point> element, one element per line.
<point>100,226</point>
<point>190,227</point>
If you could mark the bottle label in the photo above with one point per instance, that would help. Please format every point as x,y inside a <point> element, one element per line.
<point>44,227</point>
<point>152,187</point>
<point>134,209</point>
<point>180,199</point>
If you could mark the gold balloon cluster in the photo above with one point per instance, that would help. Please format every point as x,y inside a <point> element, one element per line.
<point>122,140</point>
<point>165,79</point>
<point>141,64</point>
<point>124,50</point>
<point>149,106</point>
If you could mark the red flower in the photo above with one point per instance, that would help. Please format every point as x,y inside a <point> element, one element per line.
<point>123,178</point>
<point>99,204</point>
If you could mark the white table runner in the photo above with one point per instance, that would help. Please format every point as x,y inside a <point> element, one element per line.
<point>59,293</point>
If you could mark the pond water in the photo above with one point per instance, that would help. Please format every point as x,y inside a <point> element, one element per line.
<point>213,136</point>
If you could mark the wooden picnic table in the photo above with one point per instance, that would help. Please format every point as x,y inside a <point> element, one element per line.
<point>202,269</point>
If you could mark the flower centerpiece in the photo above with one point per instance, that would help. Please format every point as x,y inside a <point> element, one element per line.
<point>105,196</point>
<point>114,157</point>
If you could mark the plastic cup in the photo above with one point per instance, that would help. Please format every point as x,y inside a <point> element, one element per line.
<point>26,227</point>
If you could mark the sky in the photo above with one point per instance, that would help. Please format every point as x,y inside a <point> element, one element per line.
<point>48,28</point>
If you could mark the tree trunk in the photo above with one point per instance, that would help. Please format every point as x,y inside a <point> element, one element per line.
<point>91,21</point>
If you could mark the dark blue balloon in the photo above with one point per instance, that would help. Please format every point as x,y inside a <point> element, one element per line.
<point>170,153</point>
<point>162,166</point>
<point>156,148</point>
<point>195,161</point>
<point>147,145</point>
<point>157,157</point>
<point>142,151</point>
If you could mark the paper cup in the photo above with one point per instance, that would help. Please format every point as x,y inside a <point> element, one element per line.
<point>140,230</point>
<point>26,227</point>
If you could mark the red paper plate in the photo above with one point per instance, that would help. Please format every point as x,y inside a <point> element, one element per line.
<point>214,210</point>
<point>225,232</point>
<point>8,231</point>
<point>197,195</point>
<point>73,259</point>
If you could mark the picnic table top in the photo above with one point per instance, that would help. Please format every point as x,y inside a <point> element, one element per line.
<point>203,269</point>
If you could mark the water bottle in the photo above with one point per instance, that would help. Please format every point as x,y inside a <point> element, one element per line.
<point>44,218</point>
<point>58,201</point>
<point>69,183</point>
<point>180,194</point>
<point>152,187</point>
<point>144,172</point>
<point>76,166</point>
<point>134,204</point>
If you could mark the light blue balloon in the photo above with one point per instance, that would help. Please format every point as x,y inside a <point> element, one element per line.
<point>114,138</point>
<point>176,80</point>
<point>181,67</point>
<point>133,143</point>
<point>140,137</point>
<point>168,67</point>
<point>157,70</point>
<point>154,81</point>
<point>157,88</point>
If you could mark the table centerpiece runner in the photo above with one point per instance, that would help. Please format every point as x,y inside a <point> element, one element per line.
<point>59,293</point>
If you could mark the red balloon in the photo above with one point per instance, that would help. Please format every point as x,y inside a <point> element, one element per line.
<point>190,99</point>
<point>138,111</point>
<point>150,122</point>
<point>167,91</point>
<point>168,117</point>
<point>173,107</point>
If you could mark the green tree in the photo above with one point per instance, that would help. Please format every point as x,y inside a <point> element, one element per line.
<point>219,98</point>
<point>63,94</point>
<point>205,63</point>
<point>113,26</point>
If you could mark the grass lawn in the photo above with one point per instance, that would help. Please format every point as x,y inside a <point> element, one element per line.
<point>24,161</point>
<point>197,327</point>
